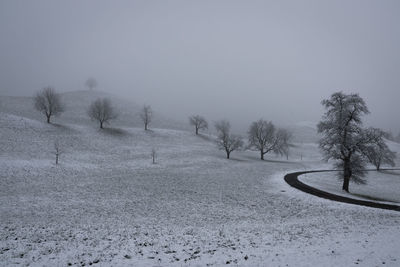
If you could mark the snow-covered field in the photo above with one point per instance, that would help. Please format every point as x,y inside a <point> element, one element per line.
<point>107,204</point>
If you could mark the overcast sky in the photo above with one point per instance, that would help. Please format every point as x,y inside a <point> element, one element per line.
<point>239,60</point>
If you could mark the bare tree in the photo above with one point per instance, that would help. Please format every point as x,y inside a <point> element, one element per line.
<point>344,140</point>
<point>48,102</point>
<point>91,83</point>
<point>198,122</point>
<point>377,152</point>
<point>153,155</point>
<point>146,115</point>
<point>284,137</point>
<point>102,111</point>
<point>225,140</point>
<point>264,137</point>
<point>57,150</point>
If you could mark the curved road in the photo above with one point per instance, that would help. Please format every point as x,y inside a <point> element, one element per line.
<point>292,179</point>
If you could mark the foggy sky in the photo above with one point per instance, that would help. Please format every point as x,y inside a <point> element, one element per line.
<point>239,60</point>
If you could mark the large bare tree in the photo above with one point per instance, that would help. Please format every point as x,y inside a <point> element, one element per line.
<point>146,115</point>
<point>91,83</point>
<point>344,140</point>
<point>265,137</point>
<point>225,140</point>
<point>48,102</point>
<point>198,122</point>
<point>102,111</point>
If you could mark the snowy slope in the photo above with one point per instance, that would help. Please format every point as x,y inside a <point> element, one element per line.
<point>107,204</point>
<point>304,132</point>
<point>76,105</point>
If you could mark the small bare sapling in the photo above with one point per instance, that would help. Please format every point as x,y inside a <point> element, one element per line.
<point>57,150</point>
<point>153,155</point>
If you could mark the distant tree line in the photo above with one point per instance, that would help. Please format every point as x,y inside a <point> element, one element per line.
<point>263,136</point>
<point>344,139</point>
<point>48,102</point>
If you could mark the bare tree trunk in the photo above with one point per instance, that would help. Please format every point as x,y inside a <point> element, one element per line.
<point>48,118</point>
<point>227,154</point>
<point>197,130</point>
<point>346,181</point>
<point>145,126</point>
<point>346,175</point>
<point>101,125</point>
<point>262,154</point>
<point>56,158</point>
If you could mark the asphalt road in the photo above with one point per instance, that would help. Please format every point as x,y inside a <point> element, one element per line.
<point>292,179</point>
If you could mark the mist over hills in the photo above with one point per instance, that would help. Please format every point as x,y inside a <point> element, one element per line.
<point>262,75</point>
<point>77,102</point>
<point>304,131</point>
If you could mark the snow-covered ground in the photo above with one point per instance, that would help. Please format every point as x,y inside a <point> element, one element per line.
<point>107,204</point>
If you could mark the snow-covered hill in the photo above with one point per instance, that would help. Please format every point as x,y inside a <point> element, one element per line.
<point>304,132</point>
<point>76,105</point>
<point>107,204</point>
